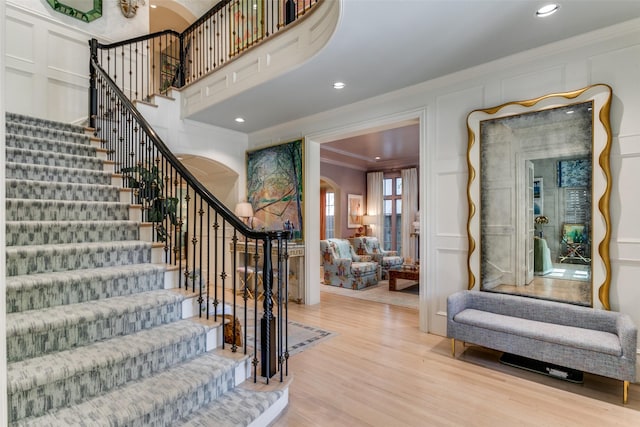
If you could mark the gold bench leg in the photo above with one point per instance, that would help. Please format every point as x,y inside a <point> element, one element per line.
<point>453,347</point>
<point>625,392</point>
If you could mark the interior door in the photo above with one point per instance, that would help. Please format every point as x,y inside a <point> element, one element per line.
<point>529,225</point>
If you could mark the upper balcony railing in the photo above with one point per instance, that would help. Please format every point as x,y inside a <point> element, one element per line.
<point>151,64</point>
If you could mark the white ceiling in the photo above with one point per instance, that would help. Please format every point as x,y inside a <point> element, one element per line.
<point>385,45</point>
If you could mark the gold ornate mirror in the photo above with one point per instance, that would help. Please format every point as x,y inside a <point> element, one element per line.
<point>538,191</point>
<point>85,10</point>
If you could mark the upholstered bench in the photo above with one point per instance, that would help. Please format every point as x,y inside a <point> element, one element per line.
<point>586,339</point>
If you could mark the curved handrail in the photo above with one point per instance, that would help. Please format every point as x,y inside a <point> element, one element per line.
<point>184,172</point>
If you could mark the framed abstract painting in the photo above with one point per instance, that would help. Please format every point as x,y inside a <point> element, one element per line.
<point>275,187</point>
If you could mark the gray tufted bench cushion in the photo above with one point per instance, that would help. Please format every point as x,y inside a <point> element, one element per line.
<point>591,340</point>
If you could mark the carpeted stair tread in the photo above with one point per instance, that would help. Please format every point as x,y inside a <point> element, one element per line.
<point>37,157</point>
<point>36,291</point>
<point>45,190</point>
<point>37,332</point>
<point>21,233</point>
<point>64,210</point>
<point>36,121</point>
<point>41,384</point>
<point>50,258</point>
<point>140,403</point>
<point>237,407</point>
<point>37,371</point>
<point>26,129</point>
<point>23,171</point>
<point>79,147</point>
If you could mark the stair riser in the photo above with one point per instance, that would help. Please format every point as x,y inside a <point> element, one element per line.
<point>39,342</point>
<point>23,233</point>
<point>60,191</point>
<point>53,159</point>
<point>25,130</point>
<point>55,174</point>
<point>54,210</point>
<point>80,289</point>
<point>32,121</point>
<point>74,258</point>
<point>84,385</point>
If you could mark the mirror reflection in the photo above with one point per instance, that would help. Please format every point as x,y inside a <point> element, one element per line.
<point>536,197</point>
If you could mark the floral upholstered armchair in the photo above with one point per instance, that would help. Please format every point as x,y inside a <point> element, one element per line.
<point>371,246</point>
<point>344,268</point>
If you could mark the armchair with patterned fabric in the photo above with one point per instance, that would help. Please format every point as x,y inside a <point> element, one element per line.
<point>344,268</point>
<point>371,246</point>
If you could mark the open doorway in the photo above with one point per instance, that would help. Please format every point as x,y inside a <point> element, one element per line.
<point>346,161</point>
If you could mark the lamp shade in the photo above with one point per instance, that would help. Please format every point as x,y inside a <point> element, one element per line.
<point>368,220</point>
<point>244,210</point>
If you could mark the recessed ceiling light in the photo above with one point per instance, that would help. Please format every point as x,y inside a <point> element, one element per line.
<point>570,112</point>
<point>153,6</point>
<point>378,157</point>
<point>547,10</point>
<point>239,120</point>
<point>338,85</point>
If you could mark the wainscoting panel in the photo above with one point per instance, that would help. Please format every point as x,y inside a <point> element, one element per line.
<point>452,269</point>
<point>451,119</point>
<point>19,88</point>
<point>534,84</point>
<point>629,209</point>
<point>20,41</point>
<point>75,97</point>
<point>623,79</point>
<point>47,71</point>
<point>67,55</point>
<point>451,192</point>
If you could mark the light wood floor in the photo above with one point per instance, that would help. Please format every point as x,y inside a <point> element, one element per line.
<point>380,370</point>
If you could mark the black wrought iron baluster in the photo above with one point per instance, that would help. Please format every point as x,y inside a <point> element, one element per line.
<point>223,273</point>
<point>216,227</point>
<point>200,261</point>
<point>286,306</point>
<point>254,362</point>
<point>268,321</point>
<point>208,296</point>
<point>194,240</point>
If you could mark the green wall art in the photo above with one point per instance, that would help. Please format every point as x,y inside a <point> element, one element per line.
<point>84,10</point>
<point>275,187</point>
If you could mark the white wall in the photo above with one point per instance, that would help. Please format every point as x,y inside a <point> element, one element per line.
<point>112,26</point>
<point>3,294</point>
<point>47,56</point>
<point>224,146</point>
<point>610,56</point>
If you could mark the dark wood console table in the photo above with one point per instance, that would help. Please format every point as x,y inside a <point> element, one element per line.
<point>409,273</point>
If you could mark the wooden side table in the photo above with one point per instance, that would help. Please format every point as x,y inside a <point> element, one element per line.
<point>402,273</point>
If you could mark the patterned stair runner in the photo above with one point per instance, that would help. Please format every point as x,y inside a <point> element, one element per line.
<point>93,336</point>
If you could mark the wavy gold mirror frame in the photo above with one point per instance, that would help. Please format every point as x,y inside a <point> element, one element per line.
<point>599,96</point>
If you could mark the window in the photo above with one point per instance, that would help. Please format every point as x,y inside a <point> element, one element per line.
<point>329,212</point>
<point>392,193</point>
<point>577,207</point>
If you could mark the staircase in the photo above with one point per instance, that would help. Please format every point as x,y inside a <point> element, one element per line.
<point>95,334</point>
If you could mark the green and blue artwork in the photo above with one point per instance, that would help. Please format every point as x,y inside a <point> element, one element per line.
<point>275,187</point>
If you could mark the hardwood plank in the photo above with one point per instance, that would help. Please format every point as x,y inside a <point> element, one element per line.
<point>380,370</point>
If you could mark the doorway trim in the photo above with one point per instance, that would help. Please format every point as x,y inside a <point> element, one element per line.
<point>313,142</point>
